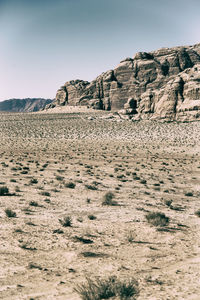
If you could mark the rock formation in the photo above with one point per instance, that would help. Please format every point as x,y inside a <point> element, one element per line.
<point>159,84</point>
<point>24,105</point>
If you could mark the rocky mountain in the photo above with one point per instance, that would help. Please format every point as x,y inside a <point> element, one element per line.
<point>159,84</point>
<point>24,105</point>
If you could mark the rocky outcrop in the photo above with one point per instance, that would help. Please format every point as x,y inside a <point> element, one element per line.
<point>177,99</point>
<point>159,84</point>
<point>24,105</point>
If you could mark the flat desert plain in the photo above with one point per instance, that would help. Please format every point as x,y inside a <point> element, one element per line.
<point>84,199</point>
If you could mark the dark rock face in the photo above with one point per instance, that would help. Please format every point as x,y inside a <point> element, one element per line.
<point>24,105</point>
<point>162,84</point>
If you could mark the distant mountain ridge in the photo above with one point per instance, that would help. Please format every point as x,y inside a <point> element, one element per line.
<point>162,84</point>
<point>24,105</point>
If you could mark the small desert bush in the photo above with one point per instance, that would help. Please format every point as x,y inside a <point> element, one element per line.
<point>24,172</point>
<point>18,230</point>
<point>70,185</point>
<point>13,169</point>
<point>66,221</point>
<point>143,181</point>
<point>33,203</point>
<point>17,189</point>
<point>83,240</point>
<point>168,202</point>
<point>59,178</point>
<point>55,190</point>
<point>45,165</point>
<point>13,180</point>
<point>189,194</point>
<point>59,231</point>
<point>47,194</point>
<point>197,213</point>
<point>91,187</point>
<point>4,191</point>
<point>93,254</point>
<point>108,199</point>
<point>136,178</point>
<point>26,168</point>
<point>157,219</point>
<point>111,287</point>
<point>47,200</point>
<point>92,217</point>
<point>130,237</point>
<point>34,266</point>
<point>25,246</point>
<point>33,181</point>
<point>120,176</point>
<point>10,213</point>
<point>60,171</point>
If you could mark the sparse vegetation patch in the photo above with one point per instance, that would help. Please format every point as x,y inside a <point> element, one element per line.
<point>157,219</point>
<point>66,221</point>
<point>10,213</point>
<point>97,289</point>
<point>4,191</point>
<point>108,199</point>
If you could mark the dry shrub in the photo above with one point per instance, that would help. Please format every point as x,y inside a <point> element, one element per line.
<point>157,219</point>
<point>111,287</point>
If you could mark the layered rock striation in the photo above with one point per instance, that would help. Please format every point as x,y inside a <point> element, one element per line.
<point>159,84</point>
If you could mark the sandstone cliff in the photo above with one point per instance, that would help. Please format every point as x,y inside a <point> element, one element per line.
<point>159,84</point>
<point>24,105</point>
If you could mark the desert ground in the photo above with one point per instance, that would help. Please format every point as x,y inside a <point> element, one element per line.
<point>77,193</point>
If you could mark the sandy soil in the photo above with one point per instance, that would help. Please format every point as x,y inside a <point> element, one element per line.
<point>148,166</point>
<point>66,109</point>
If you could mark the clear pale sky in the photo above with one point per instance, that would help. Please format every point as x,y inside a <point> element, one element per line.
<point>44,43</point>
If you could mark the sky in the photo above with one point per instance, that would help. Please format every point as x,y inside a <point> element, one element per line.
<point>44,43</point>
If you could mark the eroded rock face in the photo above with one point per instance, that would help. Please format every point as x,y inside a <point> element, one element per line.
<point>177,99</point>
<point>162,84</point>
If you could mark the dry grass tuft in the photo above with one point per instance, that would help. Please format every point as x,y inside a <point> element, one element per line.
<point>97,289</point>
